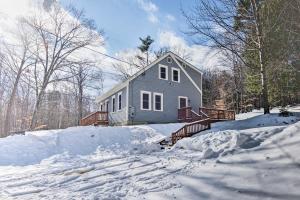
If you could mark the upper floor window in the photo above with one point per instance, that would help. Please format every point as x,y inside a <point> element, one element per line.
<point>158,101</point>
<point>175,75</point>
<point>113,105</point>
<point>169,59</point>
<point>119,100</point>
<point>101,107</point>
<point>145,100</point>
<point>163,72</point>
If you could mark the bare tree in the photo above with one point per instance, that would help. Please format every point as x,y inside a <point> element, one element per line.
<point>217,24</point>
<point>17,59</point>
<point>86,77</point>
<point>58,36</point>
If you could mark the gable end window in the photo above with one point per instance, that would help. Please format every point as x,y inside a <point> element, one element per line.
<point>120,101</point>
<point>113,105</point>
<point>175,75</point>
<point>158,101</point>
<point>145,100</point>
<point>169,60</point>
<point>163,72</point>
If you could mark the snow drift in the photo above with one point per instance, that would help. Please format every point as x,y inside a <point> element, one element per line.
<point>33,147</point>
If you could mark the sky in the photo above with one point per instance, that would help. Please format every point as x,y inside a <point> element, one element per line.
<point>123,22</point>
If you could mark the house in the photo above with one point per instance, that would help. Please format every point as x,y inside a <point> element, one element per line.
<point>155,93</point>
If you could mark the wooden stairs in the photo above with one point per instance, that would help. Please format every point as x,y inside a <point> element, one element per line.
<point>198,122</point>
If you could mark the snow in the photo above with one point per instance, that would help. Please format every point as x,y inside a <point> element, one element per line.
<point>255,157</point>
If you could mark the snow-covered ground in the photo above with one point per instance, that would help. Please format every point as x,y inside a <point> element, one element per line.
<point>254,157</point>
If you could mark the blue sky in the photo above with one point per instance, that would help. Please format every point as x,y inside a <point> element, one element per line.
<point>124,21</point>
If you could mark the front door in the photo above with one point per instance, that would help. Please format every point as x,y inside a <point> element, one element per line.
<point>183,102</point>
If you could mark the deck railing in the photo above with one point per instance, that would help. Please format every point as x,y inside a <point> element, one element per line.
<point>186,114</point>
<point>218,114</point>
<point>190,129</point>
<point>96,118</point>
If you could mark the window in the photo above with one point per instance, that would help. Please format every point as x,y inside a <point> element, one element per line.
<point>182,102</point>
<point>119,100</point>
<point>175,75</point>
<point>169,60</point>
<point>106,105</point>
<point>158,102</point>
<point>113,105</point>
<point>101,107</point>
<point>163,72</point>
<point>145,100</point>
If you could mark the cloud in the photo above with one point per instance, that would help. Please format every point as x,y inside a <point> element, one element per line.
<point>152,18</point>
<point>147,6</point>
<point>150,8</point>
<point>170,17</point>
<point>202,57</point>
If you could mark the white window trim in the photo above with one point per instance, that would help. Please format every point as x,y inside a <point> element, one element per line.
<point>162,101</point>
<point>163,66</point>
<point>183,97</point>
<point>112,103</point>
<point>119,94</point>
<point>178,70</point>
<point>141,100</point>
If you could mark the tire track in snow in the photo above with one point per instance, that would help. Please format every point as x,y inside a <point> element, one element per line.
<point>114,179</point>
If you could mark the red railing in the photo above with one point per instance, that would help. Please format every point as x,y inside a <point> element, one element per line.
<point>190,129</point>
<point>186,114</point>
<point>96,118</point>
<point>218,114</point>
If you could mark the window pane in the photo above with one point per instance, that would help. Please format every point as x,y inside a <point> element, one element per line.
<point>182,102</point>
<point>157,102</point>
<point>113,108</point>
<point>145,101</point>
<point>163,73</point>
<point>175,75</point>
<point>120,102</point>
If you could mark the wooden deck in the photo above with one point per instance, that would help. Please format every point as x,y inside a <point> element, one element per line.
<point>96,118</point>
<point>199,121</point>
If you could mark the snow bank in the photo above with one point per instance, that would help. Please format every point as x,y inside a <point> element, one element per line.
<point>229,136</point>
<point>33,147</point>
<point>211,145</point>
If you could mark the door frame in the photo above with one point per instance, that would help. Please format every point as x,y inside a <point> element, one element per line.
<point>186,101</point>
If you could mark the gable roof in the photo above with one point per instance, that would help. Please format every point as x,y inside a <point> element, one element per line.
<point>125,83</point>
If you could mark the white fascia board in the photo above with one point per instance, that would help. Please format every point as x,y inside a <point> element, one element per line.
<point>187,63</point>
<point>190,78</point>
<point>125,83</point>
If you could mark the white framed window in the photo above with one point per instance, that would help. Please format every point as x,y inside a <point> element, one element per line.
<point>163,72</point>
<point>169,59</point>
<point>119,101</point>
<point>101,106</point>
<point>145,100</point>
<point>113,104</point>
<point>175,75</point>
<point>158,101</point>
<point>182,102</point>
<point>106,105</point>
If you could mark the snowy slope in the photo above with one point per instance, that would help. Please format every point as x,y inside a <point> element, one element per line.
<point>33,147</point>
<point>252,158</point>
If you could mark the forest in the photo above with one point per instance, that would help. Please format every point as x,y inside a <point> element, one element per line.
<point>49,76</point>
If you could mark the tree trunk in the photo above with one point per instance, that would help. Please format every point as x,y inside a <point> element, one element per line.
<point>80,103</point>
<point>264,83</point>
<point>7,122</point>
<point>36,108</point>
